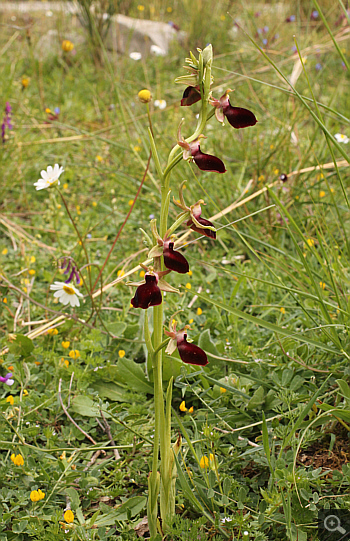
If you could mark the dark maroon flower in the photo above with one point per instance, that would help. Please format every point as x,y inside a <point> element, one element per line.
<point>283,177</point>
<point>173,260</point>
<point>147,294</point>
<point>207,232</point>
<point>238,117</point>
<point>190,353</point>
<point>205,162</point>
<point>191,95</point>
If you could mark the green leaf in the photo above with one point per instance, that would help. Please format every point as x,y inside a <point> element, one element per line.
<point>22,345</point>
<point>266,445</point>
<point>116,328</point>
<point>344,387</point>
<point>257,399</point>
<point>85,406</point>
<point>133,375</point>
<point>108,389</point>
<point>206,343</point>
<point>74,497</point>
<point>131,507</point>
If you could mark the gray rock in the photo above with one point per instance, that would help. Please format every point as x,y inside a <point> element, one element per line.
<point>127,35</point>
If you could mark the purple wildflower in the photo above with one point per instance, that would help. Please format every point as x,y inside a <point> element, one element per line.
<point>6,123</point>
<point>70,269</point>
<point>7,379</point>
<point>318,66</point>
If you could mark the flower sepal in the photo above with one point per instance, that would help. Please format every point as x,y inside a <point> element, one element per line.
<point>156,251</point>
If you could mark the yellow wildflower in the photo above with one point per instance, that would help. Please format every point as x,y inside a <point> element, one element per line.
<point>52,332</point>
<point>66,363</point>
<point>212,457</point>
<point>311,242</point>
<point>144,96</point>
<point>142,273</point>
<point>25,82</point>
<point>68,516</point>
<point>10,399</point>
<point>25,392</point>
<point>169,9</point>
<point>137,148</point>
<point>223,390</point>
<point>276,171</point>
<point>140,7</point>
<point>190,410</point>
<point>17,459</point>
<point>4,300</point>
<point>74,354</point>
<point>121,353</point>
<point>99,158</point>
<point>322,193</point>
<point>199,311</point>
<point>67,46</point>
<point>37,495</point>
<point>322,285</point>
<point>5,251</point>
<point>32,259</point>
<point>94,204</point>
<point>66,344</point>
<point>222,17</point>
<point>120,273</point>
<point>47,110</point>
<point>282,310</point>
<point>65,186</point>
<point>130,202</point>
<point>31,272</point>
<point>190,273</point>
<point>204,462</point>
<point>182,406</point>
<point>191,321</point>
<point>188,286</point>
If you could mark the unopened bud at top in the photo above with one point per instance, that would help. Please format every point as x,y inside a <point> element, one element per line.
<point>145,96</point>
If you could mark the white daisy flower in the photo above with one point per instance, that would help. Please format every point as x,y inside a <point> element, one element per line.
<point>66,293</point>
<point>341,138</point>
<point>135,55</point>
<point>157,51</point>
<point>49,177</point>
<point>160,103</point>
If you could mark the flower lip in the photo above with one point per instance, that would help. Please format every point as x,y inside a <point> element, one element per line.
<point>190,96</point>
<point>239,117</point>
<point>147,294</point>
<point>203,231</point>
<point>190,353</point>
<point>207,162</point>
<point>174,260</point>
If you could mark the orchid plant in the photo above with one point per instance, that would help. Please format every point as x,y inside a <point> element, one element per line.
<point>165,256</point>
<point>166,259</point>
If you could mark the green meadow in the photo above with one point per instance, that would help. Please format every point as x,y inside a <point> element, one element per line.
<point>259,436</point>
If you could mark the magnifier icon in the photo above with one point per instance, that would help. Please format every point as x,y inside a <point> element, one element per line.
<point>332,524</point>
